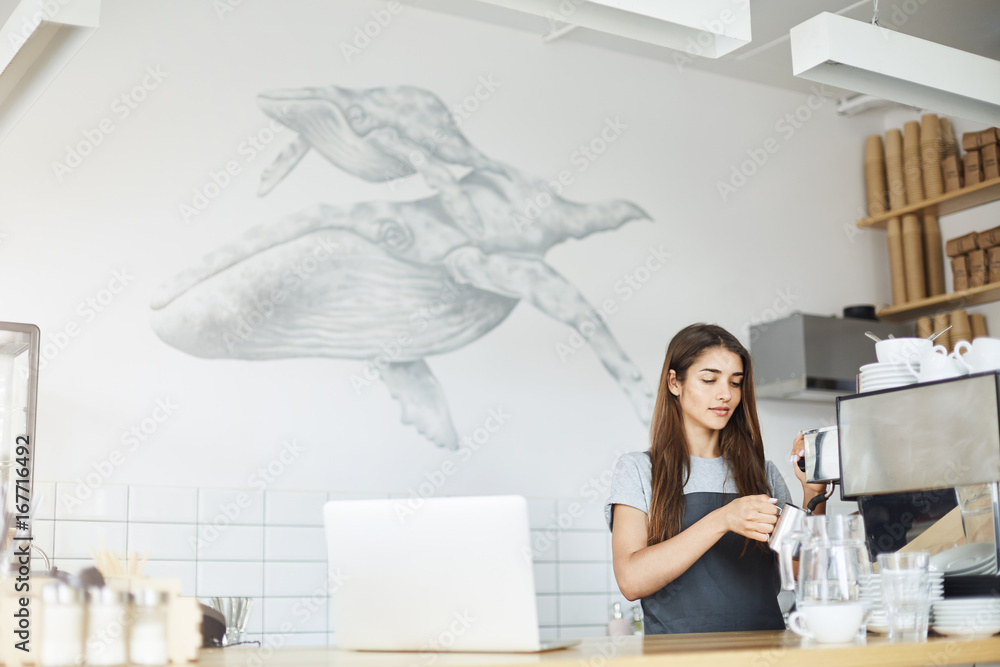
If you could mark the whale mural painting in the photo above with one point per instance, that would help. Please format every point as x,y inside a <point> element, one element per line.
<point>393,282</point>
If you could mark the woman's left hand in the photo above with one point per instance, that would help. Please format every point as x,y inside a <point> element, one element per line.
<point>798,451</point>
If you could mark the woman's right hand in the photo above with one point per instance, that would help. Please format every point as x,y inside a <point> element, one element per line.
<point>751,516</point>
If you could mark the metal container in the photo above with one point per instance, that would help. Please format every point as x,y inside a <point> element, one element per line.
<point>788,528</point>
<point>813,357</point>
<point>822,455</point>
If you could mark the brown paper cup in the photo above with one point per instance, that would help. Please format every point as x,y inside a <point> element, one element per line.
<point>896,185</point>
<point>930,127</point>
<point>978,325</point>
<point>897,271</point>
<point>873,148</point>
<point>948,137</point>
<point>941,322</point>
<point>933,256</point>
<point>913,258</point>
<point>925,327</point>
<point>893,142</point>
<point>961,327</point>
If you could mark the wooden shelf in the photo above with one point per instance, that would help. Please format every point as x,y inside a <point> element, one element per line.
<point>974,296</point>
<point>949,202</point>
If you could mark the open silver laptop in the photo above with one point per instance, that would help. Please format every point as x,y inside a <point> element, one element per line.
<point>441,574</point>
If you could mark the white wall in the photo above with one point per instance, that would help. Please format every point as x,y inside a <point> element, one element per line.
<point>783,241</point>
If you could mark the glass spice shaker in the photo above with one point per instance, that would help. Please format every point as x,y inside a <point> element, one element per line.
<point>637,626</point>
<point>107,627</point>
<point>148,634</point>
<point>62,626</point>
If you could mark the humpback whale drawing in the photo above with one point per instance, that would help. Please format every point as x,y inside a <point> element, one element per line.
<point>398,281</point>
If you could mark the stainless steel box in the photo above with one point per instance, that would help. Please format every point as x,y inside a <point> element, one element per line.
<point>811,357</point>
<point>934,435</point>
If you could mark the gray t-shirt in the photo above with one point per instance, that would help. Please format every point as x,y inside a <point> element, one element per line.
<point>632,482</point>
<point>732,586</point>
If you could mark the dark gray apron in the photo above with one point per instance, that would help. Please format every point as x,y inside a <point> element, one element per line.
<point>722,591</point>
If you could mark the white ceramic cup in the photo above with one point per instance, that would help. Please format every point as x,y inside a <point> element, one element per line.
<point>899,350</point>
<point>830,623</point>
<point>937,364</point>
<point>982,354</point>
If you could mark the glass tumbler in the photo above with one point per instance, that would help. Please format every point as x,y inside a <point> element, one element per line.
<point>906,591</point>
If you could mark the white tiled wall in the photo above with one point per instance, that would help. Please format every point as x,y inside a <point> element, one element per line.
<point>270,545</point>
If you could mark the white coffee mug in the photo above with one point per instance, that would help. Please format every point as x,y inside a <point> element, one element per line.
<point>829,623</point>
<point>937,364</point>
<point>899,350</point>
<point>982,354</point>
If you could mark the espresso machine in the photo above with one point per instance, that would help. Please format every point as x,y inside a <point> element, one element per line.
<point>923,462</point>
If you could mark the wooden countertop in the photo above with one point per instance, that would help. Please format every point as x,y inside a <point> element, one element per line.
<point>753,649</point>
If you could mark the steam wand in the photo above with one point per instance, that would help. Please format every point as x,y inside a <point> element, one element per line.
<point>820,499</point>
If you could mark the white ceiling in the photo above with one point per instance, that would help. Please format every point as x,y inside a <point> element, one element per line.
<point>969,25</point>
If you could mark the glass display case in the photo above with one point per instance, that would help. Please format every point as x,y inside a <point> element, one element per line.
<point>19,349</point>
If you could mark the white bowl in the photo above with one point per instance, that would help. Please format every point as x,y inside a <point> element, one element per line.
<point>898,350</point>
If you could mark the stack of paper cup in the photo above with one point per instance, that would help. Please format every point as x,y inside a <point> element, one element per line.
<point>897,262</point>
<point>897,200</point>
<point>925,327</point>
<point>941,322</point>
<point>875,175</point>
<point>913,258</point>
<point>931,152</point>
<point>978,324</point>
<point>894,169</point>
<point>948,141</point>
<point>961,327</point>
<point>933,256</point>
<point>912,173</point>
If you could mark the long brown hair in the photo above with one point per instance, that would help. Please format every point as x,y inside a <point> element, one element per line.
<point>740,441</point>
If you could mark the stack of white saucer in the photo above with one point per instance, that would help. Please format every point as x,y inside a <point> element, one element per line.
<point>886,376</point>
<point>871,593</point>
<point>967,617</point>
<point>966,559</point>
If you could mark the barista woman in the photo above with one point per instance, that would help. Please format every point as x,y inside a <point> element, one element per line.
<point>690,517</point>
